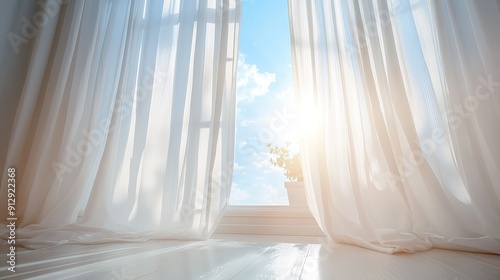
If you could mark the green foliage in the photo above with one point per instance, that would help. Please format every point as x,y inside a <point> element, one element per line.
<point>289,162</point>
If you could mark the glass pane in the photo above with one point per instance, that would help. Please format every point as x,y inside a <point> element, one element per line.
<point>265,110</point>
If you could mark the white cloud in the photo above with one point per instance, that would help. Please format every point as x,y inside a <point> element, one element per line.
<point>245,123</point>
<point>261,162</point>
<point>237,167</point>
<point>288,94</point>
<point>251,82</point>
<point>258,193</point>
<point>271,195</point>
<point>237,195</point>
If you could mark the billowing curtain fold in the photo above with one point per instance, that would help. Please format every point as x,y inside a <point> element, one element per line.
<point>401,151</point>
<point>126,110</point>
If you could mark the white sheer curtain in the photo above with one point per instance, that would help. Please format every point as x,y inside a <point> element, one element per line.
<point>401,151</point>
<point>125,109</point>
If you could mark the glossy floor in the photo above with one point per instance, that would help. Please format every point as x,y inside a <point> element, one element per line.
<point>245,257</point>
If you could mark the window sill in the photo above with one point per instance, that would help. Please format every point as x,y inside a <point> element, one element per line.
<point>269,220</point>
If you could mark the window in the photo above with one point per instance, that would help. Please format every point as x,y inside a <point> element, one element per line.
<point>265,110</point>
<point>265,114</point>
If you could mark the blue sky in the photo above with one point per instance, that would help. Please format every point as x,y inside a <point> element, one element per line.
<point>265,110</point>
